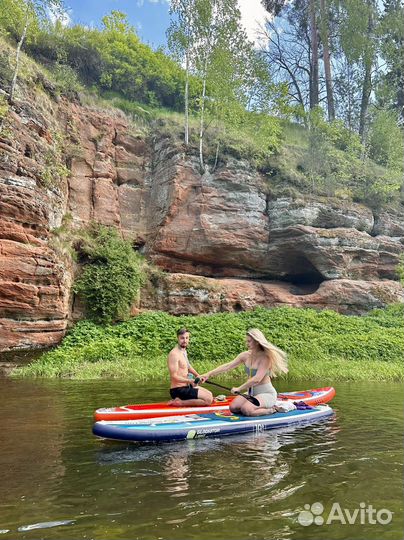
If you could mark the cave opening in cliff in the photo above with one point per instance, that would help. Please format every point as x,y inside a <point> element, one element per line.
<point>302,274</point>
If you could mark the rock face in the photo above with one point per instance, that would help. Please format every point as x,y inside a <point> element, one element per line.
<point>188,294</point>
<point>108,171</point>
<point>34,282</point>
<point>214,225</point>
<point>224,243</point>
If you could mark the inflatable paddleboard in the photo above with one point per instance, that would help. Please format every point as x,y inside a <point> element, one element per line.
<point>153,410</point>
<point>178,428</point>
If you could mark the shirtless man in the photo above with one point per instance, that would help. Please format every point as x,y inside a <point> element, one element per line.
<point>183,390</point>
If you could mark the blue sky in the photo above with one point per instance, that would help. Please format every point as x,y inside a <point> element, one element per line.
<point>149,17</point>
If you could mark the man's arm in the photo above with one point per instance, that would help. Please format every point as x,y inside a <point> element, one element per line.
<point>193,371</point>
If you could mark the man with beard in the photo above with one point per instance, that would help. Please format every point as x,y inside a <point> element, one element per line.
<point>183,390</point>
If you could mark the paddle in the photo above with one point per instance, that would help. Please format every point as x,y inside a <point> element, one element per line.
<point>252,399</point>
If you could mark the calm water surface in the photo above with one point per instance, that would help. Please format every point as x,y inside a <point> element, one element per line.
<point>60,482</point>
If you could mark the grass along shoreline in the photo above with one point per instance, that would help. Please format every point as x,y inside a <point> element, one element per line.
<point>322,345</point>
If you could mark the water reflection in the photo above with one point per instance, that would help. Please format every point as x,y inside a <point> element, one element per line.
<point>176,471</point>
<point>267,465</point>
<point>34,459</point>
<point>248,486</point>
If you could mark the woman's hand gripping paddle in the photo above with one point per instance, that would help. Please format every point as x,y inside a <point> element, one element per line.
<point>251,399</point>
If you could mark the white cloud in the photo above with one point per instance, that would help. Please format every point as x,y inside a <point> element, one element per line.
<point>253,16</point>
<point>140,3</point>
<point>65,17</point>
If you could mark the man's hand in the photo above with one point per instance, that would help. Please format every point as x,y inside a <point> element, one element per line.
<point>235,390</point>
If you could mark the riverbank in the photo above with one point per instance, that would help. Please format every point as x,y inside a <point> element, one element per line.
<point>321,345</point>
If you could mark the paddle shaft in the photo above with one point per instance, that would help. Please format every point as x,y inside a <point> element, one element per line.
<point>251,399</point>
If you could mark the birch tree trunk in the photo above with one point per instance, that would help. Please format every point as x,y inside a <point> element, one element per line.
<point>366,90</point>
<point>327,60</point>
<point>17,57</point>
<point>187,98</point>
<point>202,125</point>
<point>367,81</point>
<point>314,56</point>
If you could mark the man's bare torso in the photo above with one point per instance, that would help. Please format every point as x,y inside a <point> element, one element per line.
<point>178,357</point>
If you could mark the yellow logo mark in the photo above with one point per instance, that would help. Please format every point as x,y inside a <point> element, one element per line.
<point>227,415</point>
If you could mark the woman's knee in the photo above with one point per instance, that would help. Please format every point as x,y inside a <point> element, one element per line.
<point>235,405</point>
<point>247,409</point>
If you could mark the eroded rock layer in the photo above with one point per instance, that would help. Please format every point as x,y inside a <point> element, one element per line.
<point>225,244</point>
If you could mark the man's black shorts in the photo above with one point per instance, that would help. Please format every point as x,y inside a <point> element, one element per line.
<point>184,392</point>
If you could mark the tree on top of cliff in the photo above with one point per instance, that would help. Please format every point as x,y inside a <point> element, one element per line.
<point>33,11</point>
<point>108,59</point>
<point>207,35</point>
<point>181,37</point>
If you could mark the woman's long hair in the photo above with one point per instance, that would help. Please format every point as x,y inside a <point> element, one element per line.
<point>277,359</point>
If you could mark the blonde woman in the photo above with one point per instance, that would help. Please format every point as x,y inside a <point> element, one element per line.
<point>262,362</point>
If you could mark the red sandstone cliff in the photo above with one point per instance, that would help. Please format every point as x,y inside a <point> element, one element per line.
<point>226,244</point>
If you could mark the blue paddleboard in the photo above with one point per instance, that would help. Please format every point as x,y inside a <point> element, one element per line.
<point>194,426</point>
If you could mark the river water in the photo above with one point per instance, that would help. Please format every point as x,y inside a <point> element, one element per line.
<point>60,482</point>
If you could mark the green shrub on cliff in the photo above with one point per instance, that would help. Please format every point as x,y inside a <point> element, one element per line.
<point>111,58</point>
<point>329,160</point>
<point>400,269</point>
<point>111,276</point>
<point>323,345</point>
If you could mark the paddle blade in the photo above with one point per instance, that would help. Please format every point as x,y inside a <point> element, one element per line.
<point>251,399</point>
<point>254,401</point>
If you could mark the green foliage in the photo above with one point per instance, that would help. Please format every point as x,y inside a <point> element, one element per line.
<point>133,68</point>
<point>323,345</point>
<point>235,91</point>
<point>66,79</point>
<point>6,73</point>
<point>142,115</point>
<point>12,19</point>
<point>5,130</point>
<point>377,186</point>
<point>54,168</point>
<point>389,90</point>
<point>386,142</point>
<point>400,269</point>
<point>243,106</point>
<point>355,34</point>
<point>329,160</point>
<point>112,58</point>
<point>3,107</point>
<point>112,274</point>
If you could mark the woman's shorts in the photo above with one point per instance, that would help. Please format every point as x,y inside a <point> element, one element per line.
<point>266,395</point>
<point>184,392</point>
